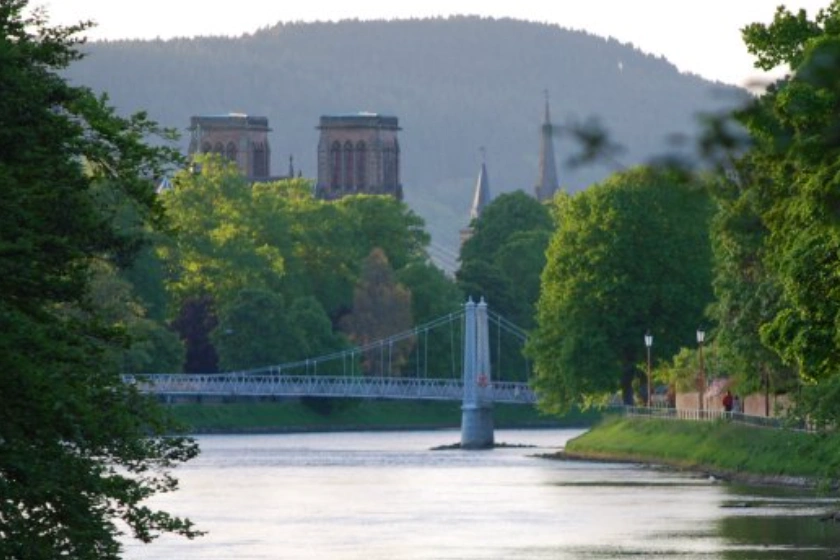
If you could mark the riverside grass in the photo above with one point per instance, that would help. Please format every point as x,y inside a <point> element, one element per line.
<point>722,447</point>
<point>290,415</point>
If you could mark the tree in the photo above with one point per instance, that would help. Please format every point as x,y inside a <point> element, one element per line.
<point>630,255</point>
<point>505,256</point>
<point>747,296</point>
<point>149,346</point>
<point>381,308</point>
<point>79,449</point>
<point>253,331</point>
<point>791,191</point>
<point>259,329</point>
<point>433,295</point>
<point>218,248</point>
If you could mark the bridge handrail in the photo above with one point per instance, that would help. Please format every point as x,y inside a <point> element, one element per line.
<point>322,385</point>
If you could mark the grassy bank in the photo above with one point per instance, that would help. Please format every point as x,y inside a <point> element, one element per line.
<point>726,448</point>
<point>340,414</point>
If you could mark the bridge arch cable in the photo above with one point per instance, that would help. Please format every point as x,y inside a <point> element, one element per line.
<point>508,327</point>
<point>351,353</point>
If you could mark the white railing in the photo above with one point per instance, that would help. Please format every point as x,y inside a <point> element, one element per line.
<point>706,415</point>
<point>237,384</point>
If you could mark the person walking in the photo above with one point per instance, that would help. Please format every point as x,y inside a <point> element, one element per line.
<point>727,401</point>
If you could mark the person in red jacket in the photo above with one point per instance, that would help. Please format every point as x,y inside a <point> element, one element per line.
<point>727,401</point>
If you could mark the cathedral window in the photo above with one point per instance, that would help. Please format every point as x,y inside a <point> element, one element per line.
<point>361,162</point>
<point>335,165</point>
<point>260,167</point>
<point>348,165</point>
<point>231,151</point>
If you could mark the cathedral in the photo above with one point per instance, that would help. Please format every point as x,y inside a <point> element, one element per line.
<point>357,153</point>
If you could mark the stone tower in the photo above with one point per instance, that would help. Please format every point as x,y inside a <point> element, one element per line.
<point>547,185</point>
<point>358,153</point>
<point>240,138</point>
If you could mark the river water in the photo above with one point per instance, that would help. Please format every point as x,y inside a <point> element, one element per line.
<point>389,496</point>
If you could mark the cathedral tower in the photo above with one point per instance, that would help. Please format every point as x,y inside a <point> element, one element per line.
<point>358,153</point>
<point>241,138</point>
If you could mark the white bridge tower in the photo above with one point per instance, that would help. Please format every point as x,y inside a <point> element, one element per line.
<point>477,407</point>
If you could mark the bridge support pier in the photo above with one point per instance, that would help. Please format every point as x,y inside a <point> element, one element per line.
<point>477,407</point>
<point>477,427</point>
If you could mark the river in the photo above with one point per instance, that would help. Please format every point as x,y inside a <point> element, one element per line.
<point>389,496</point>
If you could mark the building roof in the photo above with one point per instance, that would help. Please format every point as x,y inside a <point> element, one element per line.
<point>229,120</point>
<point>359,120</point>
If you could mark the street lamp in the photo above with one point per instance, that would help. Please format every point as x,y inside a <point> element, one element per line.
<point>701,336</point>
<point>648,344</point>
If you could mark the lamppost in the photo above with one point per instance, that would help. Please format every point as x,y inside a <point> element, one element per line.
<point>701,336</point>
<point>648,344</point>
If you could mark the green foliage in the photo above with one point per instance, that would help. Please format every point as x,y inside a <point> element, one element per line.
<point>776,237</point>
<point>303,255</point>
<point>381,308</point>
<point>253,331</point>
<point>258,329</point>
<point>219,248</point>
<point>433,295</point>
<point>505,255</point>
<point>630,255</point>
<point>80,451</point>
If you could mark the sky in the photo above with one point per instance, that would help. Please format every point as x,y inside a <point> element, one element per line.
<point>700,37</point>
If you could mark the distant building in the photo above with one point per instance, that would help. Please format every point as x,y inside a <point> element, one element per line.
<point>547,185</point>
<point>481,198</point>
<point>358,153</point>
<point>240,138</point>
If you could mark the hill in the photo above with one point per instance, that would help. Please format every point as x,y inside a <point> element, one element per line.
<point>456,84</point>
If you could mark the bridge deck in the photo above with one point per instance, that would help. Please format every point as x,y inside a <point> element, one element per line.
<point>325,386</point>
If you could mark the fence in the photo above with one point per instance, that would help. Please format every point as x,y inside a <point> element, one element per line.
<point>709,416</point>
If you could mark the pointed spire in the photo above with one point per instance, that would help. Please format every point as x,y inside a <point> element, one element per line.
<point>481,198</point>
<point>291,166</point>
<point>547,183</point>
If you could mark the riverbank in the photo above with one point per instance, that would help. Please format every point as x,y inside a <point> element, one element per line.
<point>725,450</point>
<point>309,415</point>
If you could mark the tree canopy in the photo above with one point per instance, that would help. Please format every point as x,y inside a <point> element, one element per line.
<point>503,258</point>
<point>79,449</point>
<point>777,236</point>
<point>630,255</point>
<point>246,261</point>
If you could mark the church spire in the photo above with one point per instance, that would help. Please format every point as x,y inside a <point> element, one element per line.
<point>481,197</point>
<point>547,183</point>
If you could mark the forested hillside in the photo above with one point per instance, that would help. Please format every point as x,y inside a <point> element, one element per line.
<point>456,84</point>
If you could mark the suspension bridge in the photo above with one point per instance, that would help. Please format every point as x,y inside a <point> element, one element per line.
<point>449,358</point>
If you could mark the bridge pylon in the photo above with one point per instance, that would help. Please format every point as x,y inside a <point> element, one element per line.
<point>477,406</point>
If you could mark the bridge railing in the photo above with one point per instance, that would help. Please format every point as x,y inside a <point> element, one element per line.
<point>238,384</point>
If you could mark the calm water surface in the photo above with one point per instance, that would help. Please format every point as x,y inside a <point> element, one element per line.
<point>387,495</point>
